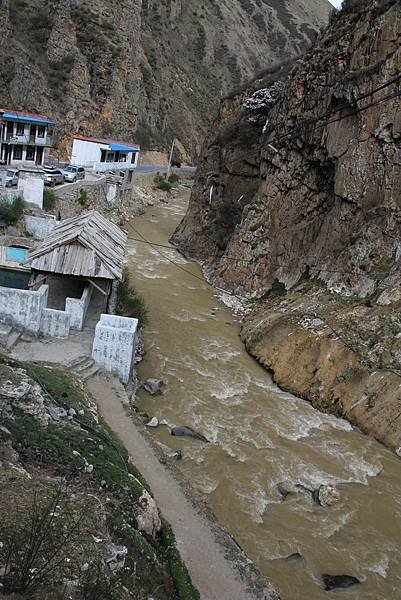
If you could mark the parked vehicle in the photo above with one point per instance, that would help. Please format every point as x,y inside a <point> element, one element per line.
<point>72,174</point>
<point>53,176</point>
<point>11,177</point>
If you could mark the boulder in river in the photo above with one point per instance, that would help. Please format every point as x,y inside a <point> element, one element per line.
<point>334,582</point>
<point>189,432</point>
<point>326,495</point>
<point>153,422</point>
<point>153,386</point>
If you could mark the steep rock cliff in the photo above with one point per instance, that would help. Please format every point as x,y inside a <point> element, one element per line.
<point>312,194</point>
<point>145,69</point>
<point>323,195</point>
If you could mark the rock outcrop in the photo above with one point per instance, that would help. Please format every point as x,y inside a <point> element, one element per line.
<point>144,69</point>
<point>300,183</point>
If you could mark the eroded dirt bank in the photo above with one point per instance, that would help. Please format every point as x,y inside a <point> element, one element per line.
<point>340,354</point>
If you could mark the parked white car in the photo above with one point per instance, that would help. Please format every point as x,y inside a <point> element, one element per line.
<point>72,174</point>
<point>11,177</point>
<point>53,176</point>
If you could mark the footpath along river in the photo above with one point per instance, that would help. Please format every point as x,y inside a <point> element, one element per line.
<point>261,436</point>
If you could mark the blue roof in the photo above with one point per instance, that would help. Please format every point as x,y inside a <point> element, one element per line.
<point>29,119</point>
<point>121,148</point>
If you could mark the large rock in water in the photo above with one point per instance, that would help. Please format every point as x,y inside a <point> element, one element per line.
<point>334,582</point>
<point>189,432</point>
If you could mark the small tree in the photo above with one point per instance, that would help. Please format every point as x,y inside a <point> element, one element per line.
<point>129,302</point>
<point>161,183</point>
<point>35,543</point>
<point>49,199</point>
<point>83,198</point>
<point>10,213</point>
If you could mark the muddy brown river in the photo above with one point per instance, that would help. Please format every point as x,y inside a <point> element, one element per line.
<point>261,436</point>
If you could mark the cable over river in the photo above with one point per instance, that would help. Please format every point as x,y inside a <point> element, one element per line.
<point>262,436</point>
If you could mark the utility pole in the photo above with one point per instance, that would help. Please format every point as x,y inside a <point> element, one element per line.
<point>171,159</point>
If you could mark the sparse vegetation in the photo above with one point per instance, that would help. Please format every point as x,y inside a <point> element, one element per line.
<point>49,199</point>
<point>129,302</point>
<point>161,183</point>
<point>83,198</point>
<point>11,212</point>
<point>56,539</point>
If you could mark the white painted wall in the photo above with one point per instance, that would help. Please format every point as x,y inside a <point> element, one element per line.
<point>77,307</point>
<point>114,345</point>
<point>31,186</point>
<point>85,154</point>
<point>22,307</point>
<point>55,323</point>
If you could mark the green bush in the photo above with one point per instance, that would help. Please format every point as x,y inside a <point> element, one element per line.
<point>10,213</point>
<point>83,198</point>
<point>161,183</point>
<point>174,178</point>
<point>49,199</point>
<point>129,302</point>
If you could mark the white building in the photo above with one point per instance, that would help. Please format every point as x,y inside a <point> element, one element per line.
<point>24,138</point>
<point>104,155</point>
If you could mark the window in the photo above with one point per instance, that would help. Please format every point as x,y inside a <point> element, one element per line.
<point>17,155</point>
<point>41,131</point>
<point>130,177</point>
<point>20,128</point>
<point>30,153</point>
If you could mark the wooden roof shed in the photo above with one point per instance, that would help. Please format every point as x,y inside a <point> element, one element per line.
<point>88,246</point>
<point>87,249</point>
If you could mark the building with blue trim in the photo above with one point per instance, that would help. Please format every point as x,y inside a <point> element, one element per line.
<point>104,154</point>
<point>24,138</point>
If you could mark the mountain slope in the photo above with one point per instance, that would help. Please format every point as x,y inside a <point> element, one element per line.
<point>147,69</point>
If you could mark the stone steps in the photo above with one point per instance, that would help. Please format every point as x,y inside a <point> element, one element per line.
<point>84,367</point>
<point>13,339</point>
<point>8,336</point>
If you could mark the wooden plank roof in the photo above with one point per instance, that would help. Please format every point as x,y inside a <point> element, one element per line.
<point>87,246</point>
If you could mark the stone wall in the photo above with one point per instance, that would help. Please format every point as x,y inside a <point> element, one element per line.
<point>40,227</point>
<point>114,345</point>
<point>9,194</point>
<point>23,308</point>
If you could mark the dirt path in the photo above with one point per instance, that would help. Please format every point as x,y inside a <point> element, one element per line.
<point>215,576</point>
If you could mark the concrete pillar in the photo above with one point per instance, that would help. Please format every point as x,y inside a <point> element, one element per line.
<point>31,184</point>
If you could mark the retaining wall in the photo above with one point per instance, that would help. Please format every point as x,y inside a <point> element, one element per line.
<point>39,227</point>
<point>114,345</point>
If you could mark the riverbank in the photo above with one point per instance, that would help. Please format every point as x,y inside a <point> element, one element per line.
<point>66,472</point>
<point>339,353</point>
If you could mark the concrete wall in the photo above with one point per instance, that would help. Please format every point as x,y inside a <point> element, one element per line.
<point>31,186</point>
<point>9,194</point>
<point>114,345</point>
<point>40,227</point>
<point>77,308</point>
<point>55,323</point>
<point>23,308</point>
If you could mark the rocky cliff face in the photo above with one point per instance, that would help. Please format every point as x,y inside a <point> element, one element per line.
<point>311,193</point>
<point>150,70</point>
